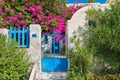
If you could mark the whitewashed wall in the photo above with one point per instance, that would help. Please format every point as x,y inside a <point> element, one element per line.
<point>76,25</point>
<point>4,31</point>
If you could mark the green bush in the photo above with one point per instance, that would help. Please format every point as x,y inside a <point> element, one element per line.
<point>80,61</point>
<point>98,56</point>
<point>105,37</point>
<point>14,62</point>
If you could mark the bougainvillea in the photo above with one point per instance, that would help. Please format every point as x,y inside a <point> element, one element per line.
<point>50,20</point>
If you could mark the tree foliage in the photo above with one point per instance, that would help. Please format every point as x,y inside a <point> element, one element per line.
<point>104,35</point>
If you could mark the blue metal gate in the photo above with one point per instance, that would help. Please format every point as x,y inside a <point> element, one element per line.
<point>53,52</point>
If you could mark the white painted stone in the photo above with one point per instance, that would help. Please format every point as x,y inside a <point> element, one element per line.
<point>33,72</point>
<point>52,76</point>
<point>35,42</point>
<point>4,31</point>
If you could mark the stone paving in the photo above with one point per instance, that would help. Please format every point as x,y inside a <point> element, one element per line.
<point>52,76</point>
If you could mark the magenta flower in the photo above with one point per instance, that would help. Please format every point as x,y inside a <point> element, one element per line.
<point>47,23</point>
<point>60,19</point>
<point>42,16</point>
<point>1,2</point>
<point>35,10</point>
<point>43,3</point>
<point>12,11</point>
<point>19,15</point>
<point>50,16</point>
<point>13,0</point>
<point>6,10</point>
<point>22,23</point>
<point>26,8</point>
<point>12,19</point>
<point>0,10</point>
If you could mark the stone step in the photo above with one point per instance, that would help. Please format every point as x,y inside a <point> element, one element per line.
<point>52,76</point>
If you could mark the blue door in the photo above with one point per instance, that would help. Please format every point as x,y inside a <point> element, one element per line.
<point>54,48</point>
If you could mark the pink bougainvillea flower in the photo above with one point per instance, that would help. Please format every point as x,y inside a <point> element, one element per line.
<point>47,23</point>
<point>42,3</point>
<point>36,21</point>
<point>42,16</point>
<point>6,10</point>
<point>26,8</point>
<point>60,19</point>
<point>50,16</point>
<point>0,10</point>
<point>17,25</point>
<point>19,15</point>
<point>12,18</point>
<point>26,0</point>
<point>21,23</point>
<point>12,11</point>
<point>1,2</point>
<point>35,10</point>
<point>13,0</point>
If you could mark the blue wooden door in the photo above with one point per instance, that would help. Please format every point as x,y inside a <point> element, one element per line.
<point>54,48</point>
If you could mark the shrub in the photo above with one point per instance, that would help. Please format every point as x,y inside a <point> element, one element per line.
<point>80,61</point>
<point>14,62</point>
<point>101,45</point>
<point>105,37</point>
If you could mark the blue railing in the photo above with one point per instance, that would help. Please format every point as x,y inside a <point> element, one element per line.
<point>21,35</point>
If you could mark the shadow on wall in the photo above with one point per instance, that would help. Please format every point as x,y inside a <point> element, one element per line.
<point>84,1</point>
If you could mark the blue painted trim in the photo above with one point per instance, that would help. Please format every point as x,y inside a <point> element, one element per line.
<point>10,34</point>
<point>34,35</point>
<point>15,33</point>
<point>23,36</point>
<point>19,36</point>
<point>27,37</point>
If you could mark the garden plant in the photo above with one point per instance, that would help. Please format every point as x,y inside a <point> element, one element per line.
<point>51,15</point>
<point>14,62</point>
<point>101,42</point>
